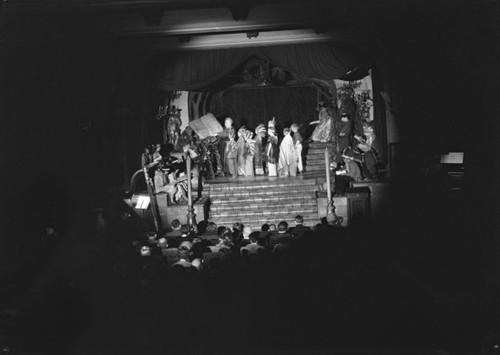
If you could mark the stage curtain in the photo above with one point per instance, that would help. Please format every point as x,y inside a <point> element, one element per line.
<point>196,69</point>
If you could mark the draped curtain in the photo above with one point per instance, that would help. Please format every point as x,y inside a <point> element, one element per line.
<point>195,69</point>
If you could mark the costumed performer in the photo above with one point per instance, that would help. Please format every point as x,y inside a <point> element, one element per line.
<point>323,131</point>
<point>223,139</point>
<point>297,142</point>
<point>231,155</point>
<point>174,130</point>
<point>351,160</point>
<point>240,149</point>
<point>259,157</point>
<point>287,163</point>
<point>344,132</point>
<point>249,153</point>
<point>371,157</point>
<point>272,151</point>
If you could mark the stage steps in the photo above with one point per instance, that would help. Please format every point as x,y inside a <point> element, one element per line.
<point>315,159</point>
<point>254,202</point>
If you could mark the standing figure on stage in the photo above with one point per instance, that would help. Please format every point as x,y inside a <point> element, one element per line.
<point>147,157</point>
<point>344,132</point>
<point>260,135</point>
<point>297,141</point>
<point>272,152</point>
<point>174,131</point>
<point>249,153</point>
<point>231,155</point>
<point>323,131</point>
<point>287,164</point>
<point>223,139</point>
<point>240,149</point>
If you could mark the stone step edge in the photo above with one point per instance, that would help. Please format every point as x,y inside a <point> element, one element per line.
<point>219,207</point>
<point>237,186</point>
<point>250,214</point>
<point>295,211</point>
<point>229,206</point>
<point>254,224</point>
<point>259,197</point>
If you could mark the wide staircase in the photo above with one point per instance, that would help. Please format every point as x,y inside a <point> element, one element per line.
<point>267,200</point>
<point>315,158</point>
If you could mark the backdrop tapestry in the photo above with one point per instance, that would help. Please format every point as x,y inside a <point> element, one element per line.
<point>253,105</point>
<point>193,70</point>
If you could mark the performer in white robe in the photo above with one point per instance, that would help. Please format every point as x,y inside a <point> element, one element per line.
<point>297,141</point>
<point>240,149</point>
<point>287,164</point>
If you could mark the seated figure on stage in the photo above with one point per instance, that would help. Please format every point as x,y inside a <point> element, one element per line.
<point>272,151</point>
<point>170,177</point>
<point>371,157</point>
<point>351,160</point>
<point>287,163</point>
<point>259,157</point>
<point>323,131</point>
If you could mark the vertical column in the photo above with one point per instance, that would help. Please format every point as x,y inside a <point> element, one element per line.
<point>191,220</point>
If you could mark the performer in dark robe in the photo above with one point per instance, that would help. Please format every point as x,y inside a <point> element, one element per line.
<point>231,155</point>
<point>223,139</point>
<point>344,132</point>
<point>260,135</point>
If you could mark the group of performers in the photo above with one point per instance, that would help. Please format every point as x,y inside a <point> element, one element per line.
<point>245,153</point>
<point>166,172</point>
<point>258,152</point>
<point>355,154</point>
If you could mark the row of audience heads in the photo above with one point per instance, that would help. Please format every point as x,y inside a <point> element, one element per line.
<point>224,234</point>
